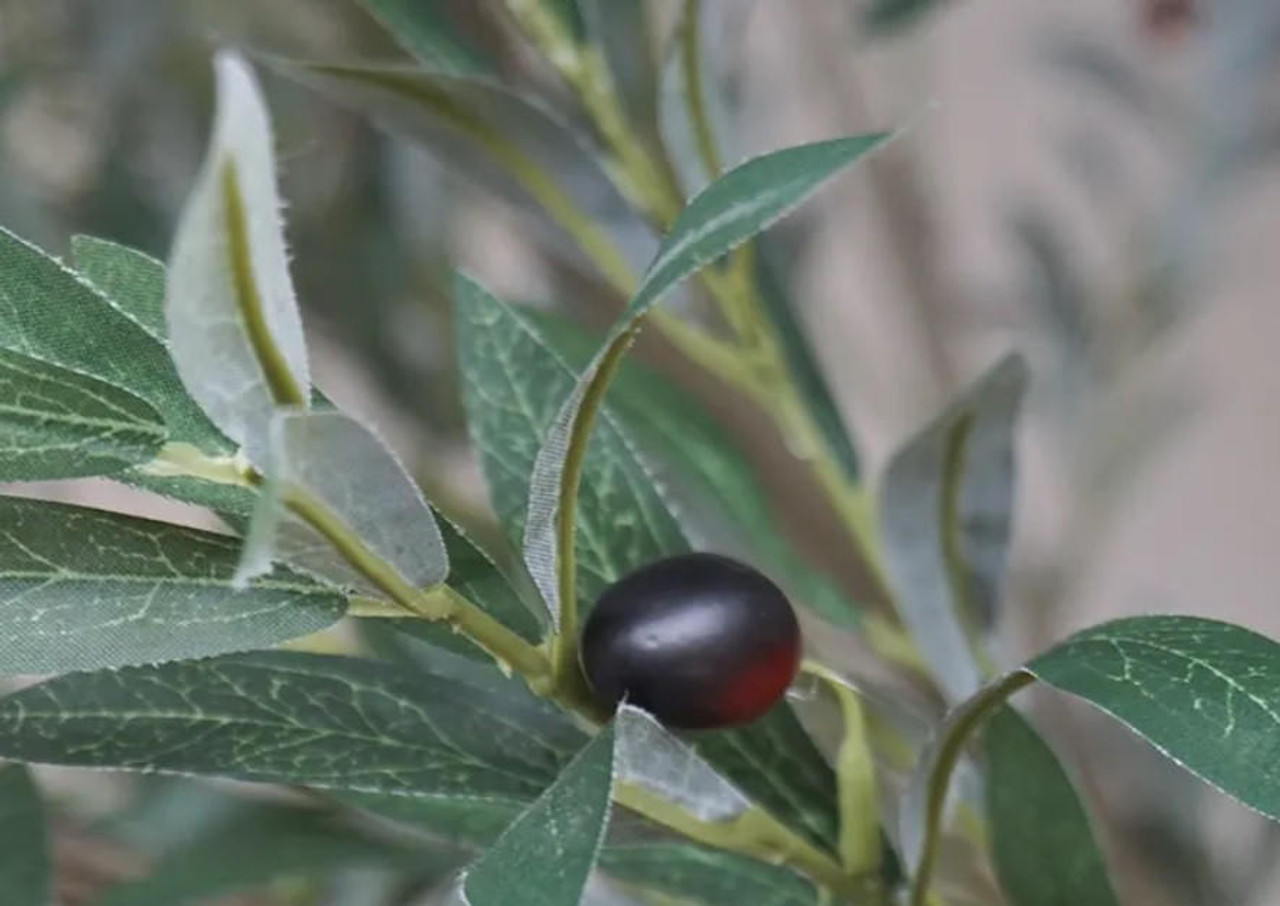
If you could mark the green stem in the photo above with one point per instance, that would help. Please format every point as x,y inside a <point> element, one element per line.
<point>694,95</point>
<point>860,847</point>
<point>962,723</point>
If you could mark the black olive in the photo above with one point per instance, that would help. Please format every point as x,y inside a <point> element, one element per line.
<point>697,640</point>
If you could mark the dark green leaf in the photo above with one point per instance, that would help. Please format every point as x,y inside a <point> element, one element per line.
<point>1205,693</point>
<point>57,423</point>
<point>422,27</point>
<point>25,871</point>
<point>545,857</point>
<point>674,430</point>
<point>286,717</point>
<point>889,16</point>
<point>946,505</point>
<point>1041,839</point>
<point>261,844</point>
<point>133,283</point>
<point>700,875</point>
<point>82,588</point>
<point>513,384</point>
<point>803,363</point>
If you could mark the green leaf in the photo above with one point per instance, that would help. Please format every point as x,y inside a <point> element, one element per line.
<point>57,423</point>
<point>803,365</point>
<point>234,326</point>
<point>731,210</point>
<point>26,875</point>
<point>343,466</point>
<point>885,17</point>
<point>82,588</point>
<point>1205,693</point>
<point>700,875</point>
<point>1041,839</point>
<point>133,283</point>
<point>513,383</point>
<point>546,856</point>
<point>946,503</point>
<point>488,132</point>
<point>422,27</point>
<point>675,431</point>
<point>262,844</point>
<point>286,717</point>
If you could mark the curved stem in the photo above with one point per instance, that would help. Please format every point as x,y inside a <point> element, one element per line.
<point>694,97</point>
<point>950,746</point>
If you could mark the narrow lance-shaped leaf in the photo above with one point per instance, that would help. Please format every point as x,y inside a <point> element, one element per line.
<point>286,717</point>
<point>57,423</point>
<point>234,325</point>
<point>546,856</point>
<point>82,588</point>
<point>731,210</point>
<point>1041,839</point>
<point>704,876</point>
<point>945,512</point>
<point>1206,694</point>
<point>26,875</point>
<point>334,460</point>
<point>422,27</point>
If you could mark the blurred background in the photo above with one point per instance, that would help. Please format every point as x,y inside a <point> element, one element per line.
<point>1094,183</point>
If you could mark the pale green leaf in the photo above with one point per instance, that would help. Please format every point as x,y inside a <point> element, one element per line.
<point>731,210</point>
<point>285,717</point>
<point>58,423</point>
<point>82,588</point>
<point>423,28</point>
<point>1041,838</point>
<point>26,875</point>
<point>342,465</point>
<point>262,844</point>
<point>1205,693</point>
<point>945,517</point>
<point>546,856</point>
<point>234,326</point>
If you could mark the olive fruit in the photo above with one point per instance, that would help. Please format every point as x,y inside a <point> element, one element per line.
<point>697,640</point>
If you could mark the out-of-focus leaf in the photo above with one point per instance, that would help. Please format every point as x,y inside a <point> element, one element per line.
<point>945,517</point>
<point>675,431</point>
<point>286,717</point>
<point>422,27</point>
<point>485,131</point>
<point>620,28</point>
<point>545,857</point>
<point>262,844</point>
<point>233,321</point>
<point>57,423</point>
<point>1204,693</point>
<point>133,283</point>
<point>82,588</point>
<point>26,875</point>
<point>338,462</point>
<point>803,363</point>
<point>707,877</point>
<point>1041,839</point>
<point>884,17</point>
<point>513,383</point>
